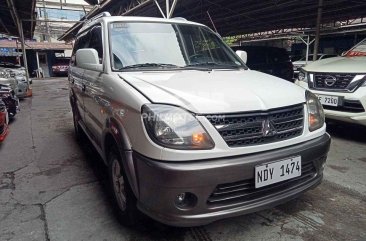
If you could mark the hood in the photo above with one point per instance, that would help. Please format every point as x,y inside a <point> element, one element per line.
<point>10,81</point>
<point>216,91</point>
<point>60,64</point>
<point>301,62</point>
<point>339,65</point>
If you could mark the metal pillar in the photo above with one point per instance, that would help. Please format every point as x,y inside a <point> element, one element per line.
<point>37,58</point>
<point>22,42</point>
<point>317,31</point>
<point>307,43</point>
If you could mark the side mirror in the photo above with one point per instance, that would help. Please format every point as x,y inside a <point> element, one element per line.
<point>88,59</point>
<point>243,55</point>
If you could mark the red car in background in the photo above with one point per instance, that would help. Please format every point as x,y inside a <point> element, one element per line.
<point>4,121</point>
<point>61,66</point>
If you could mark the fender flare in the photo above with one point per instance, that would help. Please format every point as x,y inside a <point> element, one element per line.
<point>117,131</point>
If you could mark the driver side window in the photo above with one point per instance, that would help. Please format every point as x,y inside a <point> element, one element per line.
<point>201,47</point>
<point>96,41</point>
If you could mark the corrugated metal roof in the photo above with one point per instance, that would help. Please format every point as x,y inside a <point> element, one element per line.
<point>35,45</point>
<point>25,10</point>
<point>236,17</point>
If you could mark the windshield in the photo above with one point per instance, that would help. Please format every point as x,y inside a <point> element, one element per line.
<point>165,45</point>
<point>358,50</point>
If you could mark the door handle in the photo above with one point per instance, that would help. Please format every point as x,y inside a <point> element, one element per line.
<point>83,87</point>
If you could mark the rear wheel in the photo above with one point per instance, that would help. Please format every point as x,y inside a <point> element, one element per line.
<point>79,135</point>
<point>123,197</point>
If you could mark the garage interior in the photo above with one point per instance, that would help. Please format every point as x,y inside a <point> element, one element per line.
<point>53,188</point>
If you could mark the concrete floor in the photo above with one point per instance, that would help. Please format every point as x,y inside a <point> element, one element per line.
<point>51,188</point>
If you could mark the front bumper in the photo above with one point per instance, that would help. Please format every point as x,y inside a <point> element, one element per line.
<point>159,183</point>
<point>4,132</point>
<point>22,90</point>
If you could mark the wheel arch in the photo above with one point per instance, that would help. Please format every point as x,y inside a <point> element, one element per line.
<point>115,134</point>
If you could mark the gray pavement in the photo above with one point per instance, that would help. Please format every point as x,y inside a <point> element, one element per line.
<point>52,188</point>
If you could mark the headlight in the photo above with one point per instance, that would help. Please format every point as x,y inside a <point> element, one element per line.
<point>364,81</point>
<point>4,74</point>
<point>175,128</point>
<point>303,76</point>
<point>315,111</point>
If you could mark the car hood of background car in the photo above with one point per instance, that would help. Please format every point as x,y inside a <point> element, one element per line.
<point>218,91</point>
<point>10,81</point>
<point>339,65</point>
<point>301,63</point>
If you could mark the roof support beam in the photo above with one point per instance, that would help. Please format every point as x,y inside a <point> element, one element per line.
<point>4,27</point>
<point>172,8</point>
<point>308,43</point>
<point>161,11</point>
<point>13,13</point>
<point>167,3</point>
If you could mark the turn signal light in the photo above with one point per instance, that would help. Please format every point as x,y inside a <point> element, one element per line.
<point>312,120</point>
<point>198,138</point>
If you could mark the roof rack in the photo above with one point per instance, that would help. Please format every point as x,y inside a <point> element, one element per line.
<point>103,14</point>
<point>180,18</point>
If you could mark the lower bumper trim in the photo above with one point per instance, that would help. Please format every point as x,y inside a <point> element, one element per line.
<point>159,183</point>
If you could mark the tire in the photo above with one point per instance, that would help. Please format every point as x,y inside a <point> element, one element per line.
<point>124,201</point>
<point>79,135</point>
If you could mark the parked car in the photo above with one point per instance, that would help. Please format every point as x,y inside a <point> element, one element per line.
<point>4,121</point>
<point>270,60</point>
<point>14,75</point>
<point>340,84</point>
<point>190,135</point>
<point>61,66</point>
<point>5,79</point>
<point>302,62</point>
<point>8,96</point>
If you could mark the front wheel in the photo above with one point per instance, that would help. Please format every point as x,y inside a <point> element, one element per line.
<point>123,197</point>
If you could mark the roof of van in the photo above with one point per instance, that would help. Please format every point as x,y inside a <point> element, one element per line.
<point>135,19</point>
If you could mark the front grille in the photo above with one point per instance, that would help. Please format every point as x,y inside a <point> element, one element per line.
<point>248,129</point>
<point>332,81</point>
<point>352,106</point>
<point>244,192</point>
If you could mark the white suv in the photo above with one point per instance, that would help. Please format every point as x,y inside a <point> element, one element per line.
<point>340,84</point>
<point>189,133</point>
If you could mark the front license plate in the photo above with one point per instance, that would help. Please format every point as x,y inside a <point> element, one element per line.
<point>329,100</point>
<point>278,171</point>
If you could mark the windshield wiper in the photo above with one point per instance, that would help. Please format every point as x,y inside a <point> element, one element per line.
<point>149,65</point>
<point>212,64</point>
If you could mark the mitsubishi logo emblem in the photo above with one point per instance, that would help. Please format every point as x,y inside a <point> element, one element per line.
<point>330,80</point>
<point>268,128</point>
